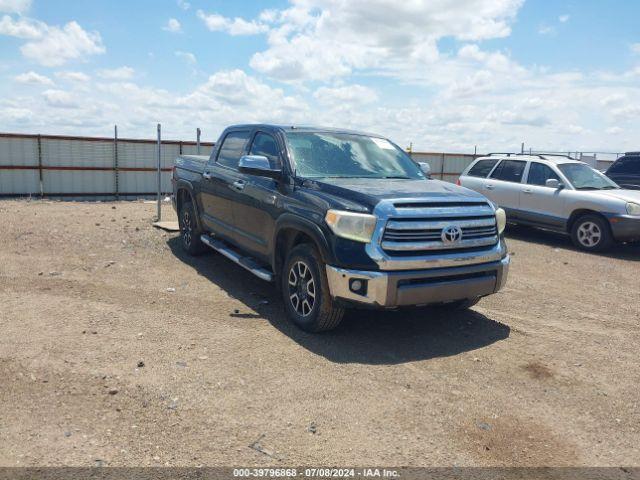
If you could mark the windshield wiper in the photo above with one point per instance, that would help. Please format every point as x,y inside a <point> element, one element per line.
<point>395,177</point>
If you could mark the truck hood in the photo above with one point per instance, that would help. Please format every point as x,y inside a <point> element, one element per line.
<point>370,191</point>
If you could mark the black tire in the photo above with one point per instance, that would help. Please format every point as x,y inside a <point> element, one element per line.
<point>189,230</point>
<point>591,233</point>
<point>461,304</point>
<point>320,313</point>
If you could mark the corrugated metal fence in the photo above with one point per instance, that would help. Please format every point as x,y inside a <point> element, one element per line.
<point>107,168</point>
<point>86,167</point>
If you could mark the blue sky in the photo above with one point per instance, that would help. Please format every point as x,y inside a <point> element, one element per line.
<point>452,74</point>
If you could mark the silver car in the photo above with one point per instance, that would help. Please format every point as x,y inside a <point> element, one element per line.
<point>558,193</point>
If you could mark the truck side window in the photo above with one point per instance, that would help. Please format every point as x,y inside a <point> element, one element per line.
<point>482,168</point>
<point>232,149</point>
<point>509,171</point>
<point>265,145</point>
<point>540,173</point>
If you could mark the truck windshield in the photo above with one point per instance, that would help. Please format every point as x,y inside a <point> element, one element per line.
<point>336,155</point>
<point>583,177</point>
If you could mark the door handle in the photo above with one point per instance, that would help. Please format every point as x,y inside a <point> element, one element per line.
<point>527,191</point>
<point>206,176</point>
<point>239,185</point>
<point>489,186</point>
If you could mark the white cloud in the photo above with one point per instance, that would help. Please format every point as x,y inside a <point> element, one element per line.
<point>173,26</point>
<point>15,6</point>
<point>564,18</point>
<point>187,56</point>
<point>614,130</point>
<point>60,99</point>
<point>323,39</point>
<point>635,48</point>
<point>183,4</point>
<point>121,73</point>
<point>545,29</point>
<point>33,78</point>
<point>74,76</point>
<point>346,96</point>
<point>52,46</point>
<point>22,28</point>
<point>235,26</point>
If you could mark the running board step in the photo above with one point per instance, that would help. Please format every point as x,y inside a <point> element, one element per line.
<point>247,263</point>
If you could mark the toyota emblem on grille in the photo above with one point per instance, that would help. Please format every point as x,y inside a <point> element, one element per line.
<point>451,234</point>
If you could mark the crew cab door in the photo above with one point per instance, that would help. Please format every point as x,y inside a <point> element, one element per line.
<point>256,212</point>
<point>504,184</point>
<point>626,172</point>
<point>539,204</point>
<point>222,184</point>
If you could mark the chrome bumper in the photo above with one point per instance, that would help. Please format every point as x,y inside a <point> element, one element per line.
<point>418,287</point>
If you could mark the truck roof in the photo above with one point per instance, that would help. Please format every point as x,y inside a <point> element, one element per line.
<point>300,128</point>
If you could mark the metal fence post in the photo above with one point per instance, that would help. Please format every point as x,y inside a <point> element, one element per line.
<point>40,166</point>
<point>115,162</point>
<point>198,132</point>
<point>159,172</point>
<point>442,168</point>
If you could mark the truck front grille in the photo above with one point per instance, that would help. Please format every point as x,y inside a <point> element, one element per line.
<point>421,231</point>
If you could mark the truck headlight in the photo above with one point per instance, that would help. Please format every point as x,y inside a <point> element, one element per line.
<point>501,220</point>
<point>350,225</point>
<point>633,209</point>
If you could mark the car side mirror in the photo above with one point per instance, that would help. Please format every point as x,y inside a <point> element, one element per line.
<point>554,183</point>
<point>426,168</point>
<point>258,165</point>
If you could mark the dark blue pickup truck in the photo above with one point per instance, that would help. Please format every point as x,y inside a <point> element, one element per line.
<point>339,219</point>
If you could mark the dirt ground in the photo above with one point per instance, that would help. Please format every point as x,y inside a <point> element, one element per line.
<point>117,349</point>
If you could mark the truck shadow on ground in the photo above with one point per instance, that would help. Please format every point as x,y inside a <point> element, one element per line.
<point>365,336</point>
<point>622,251</point>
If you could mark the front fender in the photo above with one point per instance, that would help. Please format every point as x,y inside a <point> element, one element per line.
<point>296,222</point>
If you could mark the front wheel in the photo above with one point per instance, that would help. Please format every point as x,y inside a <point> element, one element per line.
<point>305,291</point>
<point>461,304</point>
<point>591,233</point>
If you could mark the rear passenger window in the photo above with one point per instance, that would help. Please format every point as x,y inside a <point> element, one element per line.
<point>539,174</point>
<point>509,171</point>
<point>232,149</point>
<point>482,168</point>
<point>265,145</point>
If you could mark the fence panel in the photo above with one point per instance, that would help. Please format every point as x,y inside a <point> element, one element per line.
<point>19,166</point>
<point>74,167</point>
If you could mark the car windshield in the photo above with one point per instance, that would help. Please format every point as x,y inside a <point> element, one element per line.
<point>344,155</point>
<point>583,177</point>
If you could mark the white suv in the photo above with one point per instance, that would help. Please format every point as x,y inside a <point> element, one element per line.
<point>558,193</point>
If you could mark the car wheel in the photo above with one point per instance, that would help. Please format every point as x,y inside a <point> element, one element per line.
<point>305,291</point>
<point>189,231</point>
<point>591,233</point>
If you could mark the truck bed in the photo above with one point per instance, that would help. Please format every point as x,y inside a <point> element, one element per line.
<point>192,163</point>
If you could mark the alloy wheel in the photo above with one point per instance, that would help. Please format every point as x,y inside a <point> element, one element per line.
<point>302,288</point>
<point>187,228</point>
<point>589,234</point>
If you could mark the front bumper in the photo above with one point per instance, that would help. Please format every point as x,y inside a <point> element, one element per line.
<point>625,228</point>
<point>388,289</point>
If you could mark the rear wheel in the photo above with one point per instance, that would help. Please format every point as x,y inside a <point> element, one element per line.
<point>305,291</point>
<point>189,230</point>
<point>591,233</point>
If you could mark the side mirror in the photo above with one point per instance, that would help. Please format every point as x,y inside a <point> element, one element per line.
<point>258,165</point>
<point>554,183</point>
<point>426,168</point>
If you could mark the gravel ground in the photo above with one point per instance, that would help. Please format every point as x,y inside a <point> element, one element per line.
<point>117,349</point>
